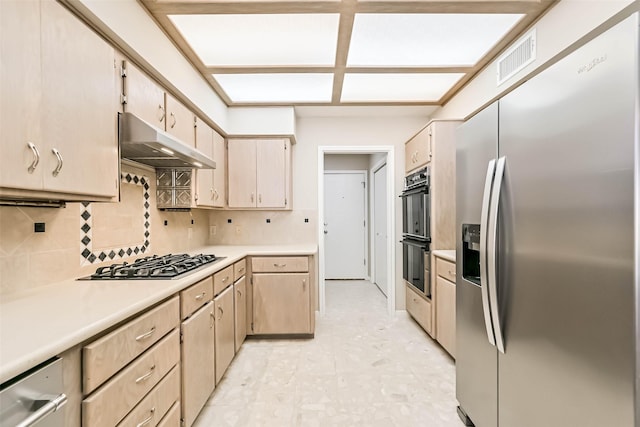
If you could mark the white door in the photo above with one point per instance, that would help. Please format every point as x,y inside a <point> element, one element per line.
<point>380,227</point>
<point>344,225</point>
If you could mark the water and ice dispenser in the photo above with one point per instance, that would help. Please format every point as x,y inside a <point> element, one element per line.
<point>471,253</point>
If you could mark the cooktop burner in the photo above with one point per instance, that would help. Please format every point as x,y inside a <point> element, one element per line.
<point>153,267</point>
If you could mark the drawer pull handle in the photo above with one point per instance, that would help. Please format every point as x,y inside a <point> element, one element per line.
<point>174,120</point>
<point>146,334</point>
<point>279,265</point>
<point>213,319</point>
<point>241,270</point>
<point>200,296</point>
<point>146,376</point>
<point>36,157</point>
<point>163,114</point>
<point>225,279</point>
<point>58,168</point>
<point>148,419</point>
<point>221,313</point>
<point>304,284</point>
<point>239,292</point>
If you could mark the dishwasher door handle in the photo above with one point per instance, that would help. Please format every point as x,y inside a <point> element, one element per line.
<point>52,405</point>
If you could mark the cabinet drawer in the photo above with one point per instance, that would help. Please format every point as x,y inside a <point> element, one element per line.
<point>196,296</point>
<point>222,279</point>
<point>157,403</point>
<point>108,405</point>
<point>239,269</point>
<point>419,308</point>
<point>172,418</point>
<point>297,264</point>
<point>446,269</point>
<point>107,355</point>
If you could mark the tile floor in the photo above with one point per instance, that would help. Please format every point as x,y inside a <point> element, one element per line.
<point>361,369</point>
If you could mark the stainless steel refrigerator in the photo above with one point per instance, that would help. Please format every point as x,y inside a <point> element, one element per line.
<point>547,238</point>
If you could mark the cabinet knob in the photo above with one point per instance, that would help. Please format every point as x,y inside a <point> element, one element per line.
<point>58,168</point>
<point>36,157</point>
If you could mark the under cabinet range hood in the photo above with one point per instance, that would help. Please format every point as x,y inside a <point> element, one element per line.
<point>145,143</point>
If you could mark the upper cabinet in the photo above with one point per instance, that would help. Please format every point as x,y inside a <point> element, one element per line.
<point>58,129</point>
<point>210,184</point>
<point>259,172</point>
<point>417,151</point>
<point>147,100</point>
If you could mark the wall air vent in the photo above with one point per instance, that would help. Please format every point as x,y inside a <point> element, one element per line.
<point>517,57</point>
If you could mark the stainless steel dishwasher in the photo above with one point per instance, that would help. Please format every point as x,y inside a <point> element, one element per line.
<point>34,398</point>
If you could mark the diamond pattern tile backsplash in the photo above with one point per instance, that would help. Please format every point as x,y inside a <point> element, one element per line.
<point>82,237</point>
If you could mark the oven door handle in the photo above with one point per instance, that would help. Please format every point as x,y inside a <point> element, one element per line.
<point>424,246</point>
<point>484,226</point>
<point>413,191</point>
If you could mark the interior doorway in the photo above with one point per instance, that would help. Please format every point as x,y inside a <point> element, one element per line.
<point>345,224</point>
<point>380,162</point>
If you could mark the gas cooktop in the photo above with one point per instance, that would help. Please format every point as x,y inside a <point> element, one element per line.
<point>153,267</point>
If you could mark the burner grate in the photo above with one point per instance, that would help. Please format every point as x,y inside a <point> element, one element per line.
<point>153,267</point>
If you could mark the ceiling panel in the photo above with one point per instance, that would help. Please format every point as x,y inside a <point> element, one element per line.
<point>387,39</point>
<point>261,40</point>
<point>277,88</point>
<point>397,87</point>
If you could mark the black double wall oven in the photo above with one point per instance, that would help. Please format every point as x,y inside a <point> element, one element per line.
<point>416,233</point>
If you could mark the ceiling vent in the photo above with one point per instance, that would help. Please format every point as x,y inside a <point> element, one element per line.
<point>517,57</point>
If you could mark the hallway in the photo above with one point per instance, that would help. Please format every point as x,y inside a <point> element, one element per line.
<point>360,370</point>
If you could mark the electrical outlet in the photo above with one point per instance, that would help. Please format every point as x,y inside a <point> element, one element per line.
<point>213,229</point>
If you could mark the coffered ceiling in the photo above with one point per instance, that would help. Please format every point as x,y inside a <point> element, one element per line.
<point>348,52</point>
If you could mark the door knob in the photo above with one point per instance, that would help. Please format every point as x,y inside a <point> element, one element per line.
<point>326,232</point>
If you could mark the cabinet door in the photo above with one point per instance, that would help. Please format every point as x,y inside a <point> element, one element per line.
<point>220,172</point>
<point>446,314</point>
<point>270,173</point>
<point>281,304</point>
<point>416,151</point>
<point>204,195</point>
<point>180,121</point>
<point>198,380</point>
<point>241,156</point>
<point>79,111</point>
<point>20,86</point>
<point>240,313</point>
<point>145,98</point>
<point>225,336</point>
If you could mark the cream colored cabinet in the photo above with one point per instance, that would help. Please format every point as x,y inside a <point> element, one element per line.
<point>225,334</point>
<point>210,183</point>
<point>180,121</point>
<point>147,100</point>
<point>240,312</point>
<point>419,307</point>
<point>445,300</point>
<point>417,151</point>
<point>259,173</point>
<point>58,130</point>
<point>198,349</point>
<point>282,295</point>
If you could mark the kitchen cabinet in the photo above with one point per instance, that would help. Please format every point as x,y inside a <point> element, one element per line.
<point>225,333</point>
<point>282,295</point>
<point>445,301</point>
<point>210,188</point>
<point>259,173</point>
<point>147,100</point>
<point>417,151</point>
<point>58,135</point>
<point>198,360</point>
<point>419,307</point>
<point>197,347</point>
<point>240,303</point>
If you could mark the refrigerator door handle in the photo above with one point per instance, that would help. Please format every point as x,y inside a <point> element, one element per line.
<point>492,237</point>
<point>484,225</point>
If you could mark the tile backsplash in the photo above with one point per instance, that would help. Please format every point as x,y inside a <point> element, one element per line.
<point>79,236</point>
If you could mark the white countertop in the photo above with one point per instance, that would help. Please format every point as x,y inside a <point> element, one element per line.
<point>43,322</point>
<point>449,254</point>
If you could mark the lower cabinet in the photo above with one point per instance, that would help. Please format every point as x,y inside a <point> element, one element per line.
<point>281,303</point>
<point>419,307</point>
<point>240,311</point>
<point>445,299</point>
<point>198,378</point>
<point>225,334</point>
<point>172,418</point>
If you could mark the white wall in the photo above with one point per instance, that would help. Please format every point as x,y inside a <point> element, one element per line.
<point>336,162</point>
<point>565,24</point>
<point>313,132</point>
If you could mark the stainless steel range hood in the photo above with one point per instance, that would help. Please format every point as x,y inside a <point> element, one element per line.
<point>144,143</point>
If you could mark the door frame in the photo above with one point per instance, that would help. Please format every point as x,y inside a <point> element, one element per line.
<point>376,167</point>
<point>365,174</point>
<point>391,219</point>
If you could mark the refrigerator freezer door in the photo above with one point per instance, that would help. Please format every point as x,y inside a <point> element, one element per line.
<point>566,239</point>
<point>476,358</point>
